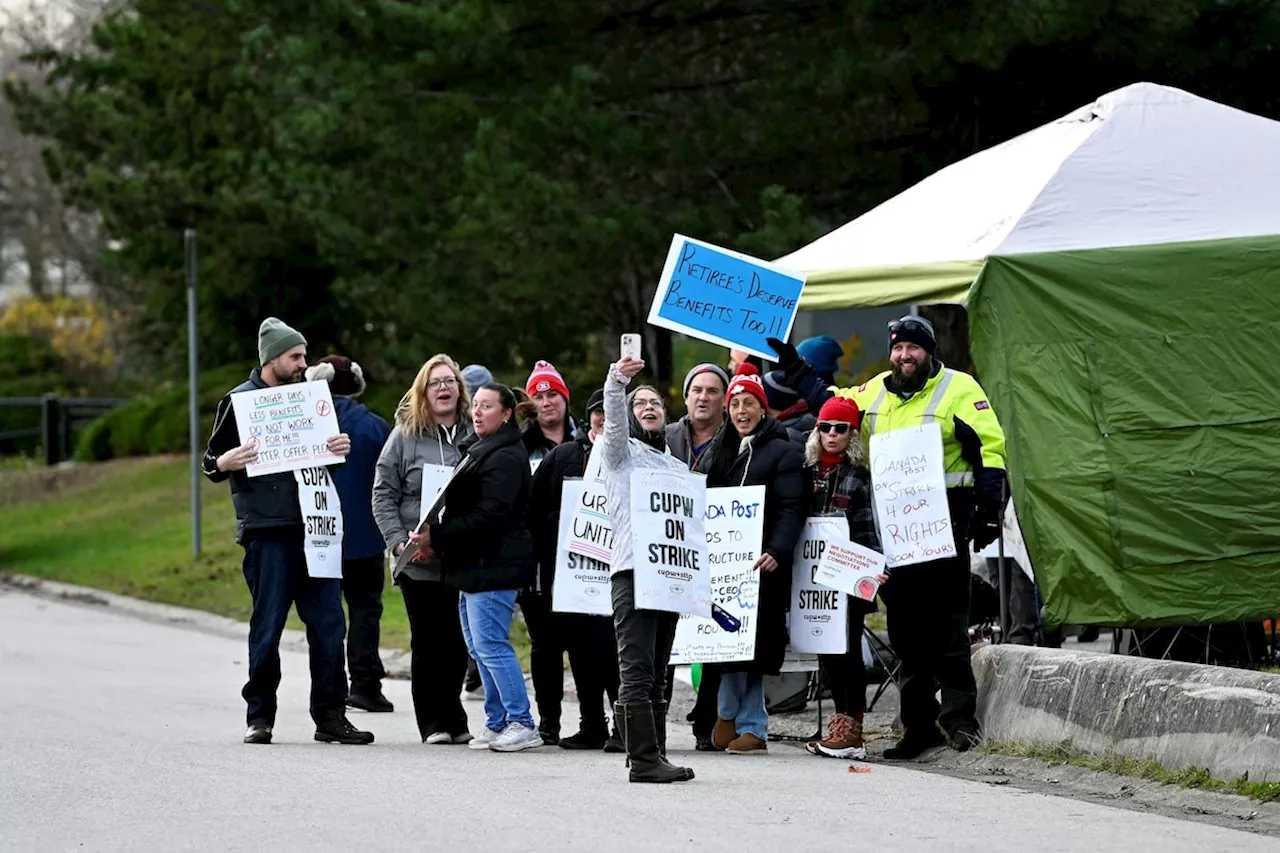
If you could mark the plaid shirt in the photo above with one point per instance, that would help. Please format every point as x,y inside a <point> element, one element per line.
<point>844,488</point>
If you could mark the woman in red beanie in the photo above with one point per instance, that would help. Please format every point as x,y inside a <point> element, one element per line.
<point>837,481</point>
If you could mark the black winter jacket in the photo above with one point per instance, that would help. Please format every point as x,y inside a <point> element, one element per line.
<point>483,540</point>
<point>565,460</point>
<point>846,489</point>
<point>773,461</point>
<point>265,505</point>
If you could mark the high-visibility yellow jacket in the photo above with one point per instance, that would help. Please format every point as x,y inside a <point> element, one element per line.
<point>972,439</point>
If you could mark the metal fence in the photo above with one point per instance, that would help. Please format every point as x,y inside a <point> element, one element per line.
<point>59,418</point>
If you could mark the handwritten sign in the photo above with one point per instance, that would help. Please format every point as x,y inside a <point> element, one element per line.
<point>591,529</point>
<point>725,297</point>
<point>581,583</point>
<point>322,520</point>
<point>668,527</point>
<point>850,568</point>
<point>818,622</point>
<point>911,495</point>
<point>289,424</point>
<point>735,531</point>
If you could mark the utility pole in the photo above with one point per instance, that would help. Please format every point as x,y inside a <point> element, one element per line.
<point>193,389</point>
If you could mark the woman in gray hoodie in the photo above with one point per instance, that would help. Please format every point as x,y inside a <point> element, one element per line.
<point>433,418</point>
<point>634,439</point>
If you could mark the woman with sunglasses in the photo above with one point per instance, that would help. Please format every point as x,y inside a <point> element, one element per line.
<point>432,419</point>
<point>755,450</point>
<point>838,481</point>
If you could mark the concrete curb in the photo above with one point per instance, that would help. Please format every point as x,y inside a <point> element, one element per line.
<point>1178,714</point>
<point>395,661</point>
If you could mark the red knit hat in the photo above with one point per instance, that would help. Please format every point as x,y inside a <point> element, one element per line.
<point>841,409</point>
<point>747,380</point>
<point>545,378</point>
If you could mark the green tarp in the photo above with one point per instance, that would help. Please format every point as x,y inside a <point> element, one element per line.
<point>1138,390</point>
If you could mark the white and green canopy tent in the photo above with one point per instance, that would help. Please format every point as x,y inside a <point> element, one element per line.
<point>1121,269</point>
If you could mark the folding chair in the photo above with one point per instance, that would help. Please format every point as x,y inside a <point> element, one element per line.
<point>882,653</point>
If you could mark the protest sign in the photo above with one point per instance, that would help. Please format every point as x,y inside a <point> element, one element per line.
<point>668,527</point>
<point>434,478</point>
<point>581,583</point>
<point>591,529</point>
<point>850,568</point>
<point>818,619</point>
<point>725,297</point>
<point>322,520</point>
<point>735,530</point>
<point>289,424</point>
<point>911,495</point>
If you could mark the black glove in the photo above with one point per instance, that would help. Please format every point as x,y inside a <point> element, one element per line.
<point>985,527</point>
<point>794,368</point>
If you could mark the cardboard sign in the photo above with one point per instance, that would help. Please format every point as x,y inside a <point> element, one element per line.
<point>725,297</point>
<point>818,622</point>
<point>581,583</point>
<point>911,495</point>
<point>850,568</point>
<point>668,528</point>
<point>434,479</point>
<point>289,424</point>
<point>735,532</point>
<point>590,528</point>
<point>322,522</point>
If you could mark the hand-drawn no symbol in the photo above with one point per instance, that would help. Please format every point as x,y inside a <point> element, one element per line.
<point>322,408</point>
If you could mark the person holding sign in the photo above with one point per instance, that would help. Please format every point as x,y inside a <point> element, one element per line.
<point>755,450</point>
<point>633,440</point>
<point>433,418</point>
<point>928,600</point>
<point>838,481</point>
<point>269,525</point>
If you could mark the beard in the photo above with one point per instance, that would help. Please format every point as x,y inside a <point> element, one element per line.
<point>914,381</point>
<point>287,378</point>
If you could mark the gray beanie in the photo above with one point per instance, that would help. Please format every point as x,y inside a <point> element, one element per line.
<point>705,367</point>
<point>475,375</point>
<point>276,338</point>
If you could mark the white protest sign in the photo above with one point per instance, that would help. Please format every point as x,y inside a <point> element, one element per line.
<point>591,529</point>
<point>911,495</point>
<point>289,424</point>
<point>735,530</point>
<point>818,622</point>
<point>668,527</point>
<point>581,583</point>
<point>322,517</point>
<point>434,478</point>
<point>850,568</point>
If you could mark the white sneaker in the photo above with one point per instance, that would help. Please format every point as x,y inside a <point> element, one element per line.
<point>482,740</point>
<point>439,737</point>
<point>516,737</point>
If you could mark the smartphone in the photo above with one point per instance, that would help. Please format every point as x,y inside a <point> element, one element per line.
<point>630,345</point>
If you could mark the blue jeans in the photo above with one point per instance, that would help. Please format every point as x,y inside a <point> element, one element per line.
<point>276,572</point>
<point>486,624</point>
<point>742,700</point>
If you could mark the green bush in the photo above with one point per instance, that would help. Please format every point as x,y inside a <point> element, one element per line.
<point>23,354</point>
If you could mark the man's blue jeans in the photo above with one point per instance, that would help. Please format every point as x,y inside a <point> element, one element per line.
<point>742,700</point>
<point>486,624</point>
<point>276,572</point>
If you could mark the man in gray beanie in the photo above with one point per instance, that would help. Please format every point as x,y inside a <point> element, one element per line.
<point>269,526</point>
<point>476,375</point>
<point>704,390</point>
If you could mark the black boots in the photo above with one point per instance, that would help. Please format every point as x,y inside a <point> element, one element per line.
<point>644,745</point>
<point>334,727</point>
<point>914,745</point>
<point>371,701</point>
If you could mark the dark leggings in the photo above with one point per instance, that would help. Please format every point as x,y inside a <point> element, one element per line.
<point>847,673</point>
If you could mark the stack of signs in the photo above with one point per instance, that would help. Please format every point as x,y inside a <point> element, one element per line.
<point>735,532</point>
<point>668,528</point>
<point>911,495</point>
<point>818,622</point>
<point>290,425</point>
<point>581,583</point>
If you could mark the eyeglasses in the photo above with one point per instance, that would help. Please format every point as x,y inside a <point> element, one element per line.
<point>443,382</point>
<point>646,403</point>
<point>838,427</point>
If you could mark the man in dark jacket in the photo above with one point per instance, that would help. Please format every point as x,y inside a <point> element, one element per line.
<point>689,437</point>
<point>363,568</point>
<point>269,527</point>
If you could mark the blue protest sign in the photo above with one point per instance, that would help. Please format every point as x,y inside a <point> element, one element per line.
<point>725,297</point>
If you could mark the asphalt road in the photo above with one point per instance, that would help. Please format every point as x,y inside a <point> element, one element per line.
<point>123,734</point>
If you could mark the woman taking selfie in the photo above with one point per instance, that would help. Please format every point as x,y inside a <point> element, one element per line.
<point>433,418</point>
<point>486,554</point>
<point>633,439</point>
<point>838,483</point>
<point>755,450</point>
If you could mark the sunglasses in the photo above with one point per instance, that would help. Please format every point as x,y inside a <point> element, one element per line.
<point>838,427</point>
<point>896,326</point>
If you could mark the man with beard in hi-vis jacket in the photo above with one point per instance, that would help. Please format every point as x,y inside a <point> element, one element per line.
<point>928,603</point>
<point>270,529</point>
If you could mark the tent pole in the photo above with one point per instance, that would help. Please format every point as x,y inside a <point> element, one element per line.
<point>1002,568</point>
